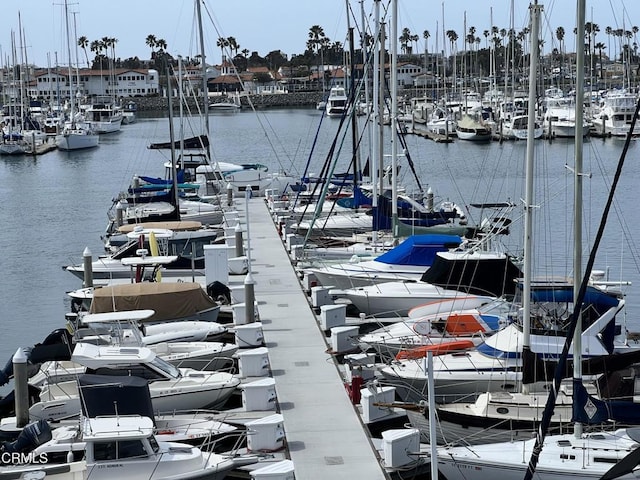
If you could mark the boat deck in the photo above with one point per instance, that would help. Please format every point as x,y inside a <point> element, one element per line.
<point>325,436</point>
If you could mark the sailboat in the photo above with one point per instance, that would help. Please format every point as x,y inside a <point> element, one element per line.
<point>597,455</point>
<point>77,133</point>
<point>496,364</point>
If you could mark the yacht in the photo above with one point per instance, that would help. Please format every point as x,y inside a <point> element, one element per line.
<point>104,117</point>
<point>171,388</point>
<point>337,102</point>
<point>559,120</point>
<point>616,114</point>
<point>109,447</point>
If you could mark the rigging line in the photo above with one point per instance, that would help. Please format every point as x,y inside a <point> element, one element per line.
<point>560,368</point>
<point>403,142</point>
<point>306,170</point>
<point>349,110</point>
<point>248,97</point>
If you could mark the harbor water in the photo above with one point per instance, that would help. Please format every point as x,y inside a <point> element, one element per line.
<point>55,205</point>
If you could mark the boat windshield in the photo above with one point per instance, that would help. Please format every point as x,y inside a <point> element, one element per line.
<point>165,367</point>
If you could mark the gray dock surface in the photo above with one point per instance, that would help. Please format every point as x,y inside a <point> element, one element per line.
<point>324,433</point>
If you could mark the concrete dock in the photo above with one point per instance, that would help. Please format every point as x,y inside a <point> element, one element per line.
<point>325,436</point>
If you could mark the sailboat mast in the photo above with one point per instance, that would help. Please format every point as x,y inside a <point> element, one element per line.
<point>71,99</point>
<point>528,200</point>
<point>394,117</point>
<point>205,91</point>
<point>375,146</point>
<point>577,210</point>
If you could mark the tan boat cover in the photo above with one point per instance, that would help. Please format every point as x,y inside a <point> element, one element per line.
<point>175,225</point>
<point>170,300</point>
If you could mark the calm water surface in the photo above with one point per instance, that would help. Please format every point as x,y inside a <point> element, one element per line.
<point>54,206</point>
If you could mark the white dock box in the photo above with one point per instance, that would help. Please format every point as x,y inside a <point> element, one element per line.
<point>254,362</point>
<point>249,335</point>
<point>371,412</point>
<point>309,281</point>
<point>239,312</point>
<point>266,433</point>
<point>400,446</point>
<point>320,296</point>
<point>333,316</point>
<point>342,339</point>
<point>259,395</point>
<point>216,263</point>
<point>282,470</point>
<point>238,265</point>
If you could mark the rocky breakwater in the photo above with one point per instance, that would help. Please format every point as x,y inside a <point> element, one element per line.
<point>275,100</point>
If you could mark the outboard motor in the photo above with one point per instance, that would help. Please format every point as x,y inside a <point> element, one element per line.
<point>31,436</point>
<point>219,292</point>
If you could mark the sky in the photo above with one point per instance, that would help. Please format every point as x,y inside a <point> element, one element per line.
<point>266,25</point>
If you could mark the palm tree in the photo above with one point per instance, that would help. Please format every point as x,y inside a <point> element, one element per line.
<point>152,42</point>
<point>222,43</point>
<point>414,39</point>
<point>426,36</point>
<point>560,36</point>
<point>453,38</point>
<point>96,47</point>
<point>83,43</point>
<point>233,45</point>
<point>600,46</point>
<point>405,38</point>
<point>317,40</point>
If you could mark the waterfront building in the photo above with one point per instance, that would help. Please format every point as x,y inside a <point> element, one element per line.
<point>49,84</point>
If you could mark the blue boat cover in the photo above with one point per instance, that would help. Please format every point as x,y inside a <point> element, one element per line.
<point>419,249</point>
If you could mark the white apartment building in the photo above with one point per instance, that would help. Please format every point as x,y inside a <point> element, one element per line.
<point>55,84</point>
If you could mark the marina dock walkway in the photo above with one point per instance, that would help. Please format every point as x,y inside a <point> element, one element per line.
<point>324,433</point>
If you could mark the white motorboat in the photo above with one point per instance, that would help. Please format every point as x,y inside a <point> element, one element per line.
<point>171,388</point>
<point>559,120</point>
<point>111,446</point>
<point>104,117</point>
<point>473,128</point>
<point>178,254</point>
<point>98,332</point>
<point>615,114</point>
<point>452,275</point>
<point>517,128</point>
<point>407,261</point>
<point>225,106</point>
<point>336,102</point>
<point>171,301</point>
<point>122,329</point>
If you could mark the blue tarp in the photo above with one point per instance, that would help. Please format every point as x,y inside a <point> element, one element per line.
<point>419,249</point>
<point>564,294</point>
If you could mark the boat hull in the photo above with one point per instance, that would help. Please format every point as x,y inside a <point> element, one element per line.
<point>76,141</point>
